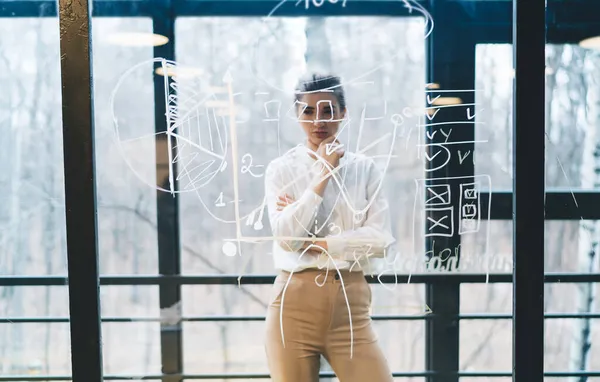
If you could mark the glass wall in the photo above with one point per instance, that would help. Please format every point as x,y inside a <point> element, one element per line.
<point>266,58</point>
<point>125,157</point>
<point>571,79</point>
<point>194,99</point>
<point>32,220</point>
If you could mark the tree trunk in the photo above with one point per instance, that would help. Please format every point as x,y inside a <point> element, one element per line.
<point>589,232</point>
<point>318,52</point>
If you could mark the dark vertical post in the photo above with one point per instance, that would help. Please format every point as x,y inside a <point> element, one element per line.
<point>529,43</point>
<point>167,205</point>
<point>80,189</point>
<point>451,66</point>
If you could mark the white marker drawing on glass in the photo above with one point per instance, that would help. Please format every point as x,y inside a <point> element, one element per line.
<point>225,156</point>
<point>200,152</point>
<point>411,5</point>
<point>319,183</point>
<point>434,196</point>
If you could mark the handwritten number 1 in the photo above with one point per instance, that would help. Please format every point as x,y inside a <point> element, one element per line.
<point>219,201</point>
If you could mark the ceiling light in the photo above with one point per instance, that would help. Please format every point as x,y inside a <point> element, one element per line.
<point>590,43</point>
<point>440,101</point>
<point>136,39</point>
<point>178,71</point>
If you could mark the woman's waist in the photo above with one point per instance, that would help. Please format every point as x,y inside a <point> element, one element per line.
<point>325,275</point>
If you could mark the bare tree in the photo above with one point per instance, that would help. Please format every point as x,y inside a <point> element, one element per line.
<point>589,231</point>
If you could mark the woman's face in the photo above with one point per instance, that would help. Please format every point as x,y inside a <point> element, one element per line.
<point>319,115</point>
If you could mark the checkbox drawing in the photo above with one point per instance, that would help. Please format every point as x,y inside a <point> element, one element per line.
<point>439,222</point>
<point>469,211</point>
<point>469,189</point>
<point>437,195</point>
<point>470,208</point>
<point>469,226</point>
<point>470,193</point>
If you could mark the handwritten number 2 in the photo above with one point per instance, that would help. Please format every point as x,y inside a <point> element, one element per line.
<point>247,168</point>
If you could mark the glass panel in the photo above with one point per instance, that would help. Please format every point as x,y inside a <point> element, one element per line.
<point>125,149</point>
<point>131,348</point>
<point>571,115</point>
<point>494,94</point>
<point>32,221</point>
<point>264,75</point>
<point>238,347</point>
<point>30,346</point>
<point>252,300</point>
<point>126,175</point>
<point>486,345</point>
<point>493,298</point>
<point>32,214</point>
<point>573,162</point>
<point>569,246</point>
<point>257,62</point>
<point>499,258</point>
<point>563,346</point>
<point>136,301</point>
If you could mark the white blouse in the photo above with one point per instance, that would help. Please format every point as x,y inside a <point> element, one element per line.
<point>355,223</point>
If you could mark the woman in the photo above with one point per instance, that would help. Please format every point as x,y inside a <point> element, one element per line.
<point>329,221</point>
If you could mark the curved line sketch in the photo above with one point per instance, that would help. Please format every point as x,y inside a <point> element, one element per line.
<point>178,114</point>
<point>181,118</point>
<point>343,291</point>
<point>218,150</point>
<point>410,5</point>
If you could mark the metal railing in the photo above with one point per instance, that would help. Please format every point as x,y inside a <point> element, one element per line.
<point>438,279</point>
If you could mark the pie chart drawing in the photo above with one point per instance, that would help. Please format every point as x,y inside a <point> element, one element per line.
<point>193,149</point>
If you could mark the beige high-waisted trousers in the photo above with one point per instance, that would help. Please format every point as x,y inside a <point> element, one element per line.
<point>315,319</point>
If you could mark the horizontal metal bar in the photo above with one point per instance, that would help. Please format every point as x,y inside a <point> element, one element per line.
<point>238,318</point>
<point>235,8</point>
<point>433,277</point>
<point>560,205</point>
<point>507,316</point>
<point>45,8</point>
<point>490,21</point>
<point>260,8</point>
<point>472,374</point>
<point>213,318</point>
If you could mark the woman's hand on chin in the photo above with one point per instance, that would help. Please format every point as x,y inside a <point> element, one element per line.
<point>331,156</point>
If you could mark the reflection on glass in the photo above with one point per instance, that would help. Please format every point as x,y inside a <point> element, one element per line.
<point>499,258</point>
<point>32,225</point>
<point>486,345</point>
<point>126,206</point>
<point>572,115</point>
<point>32,214</point>
<point>131,348</point>
<point>127,229</point>
<point>237,347</point>
<point>237,55</point>
<point>264,68</point>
